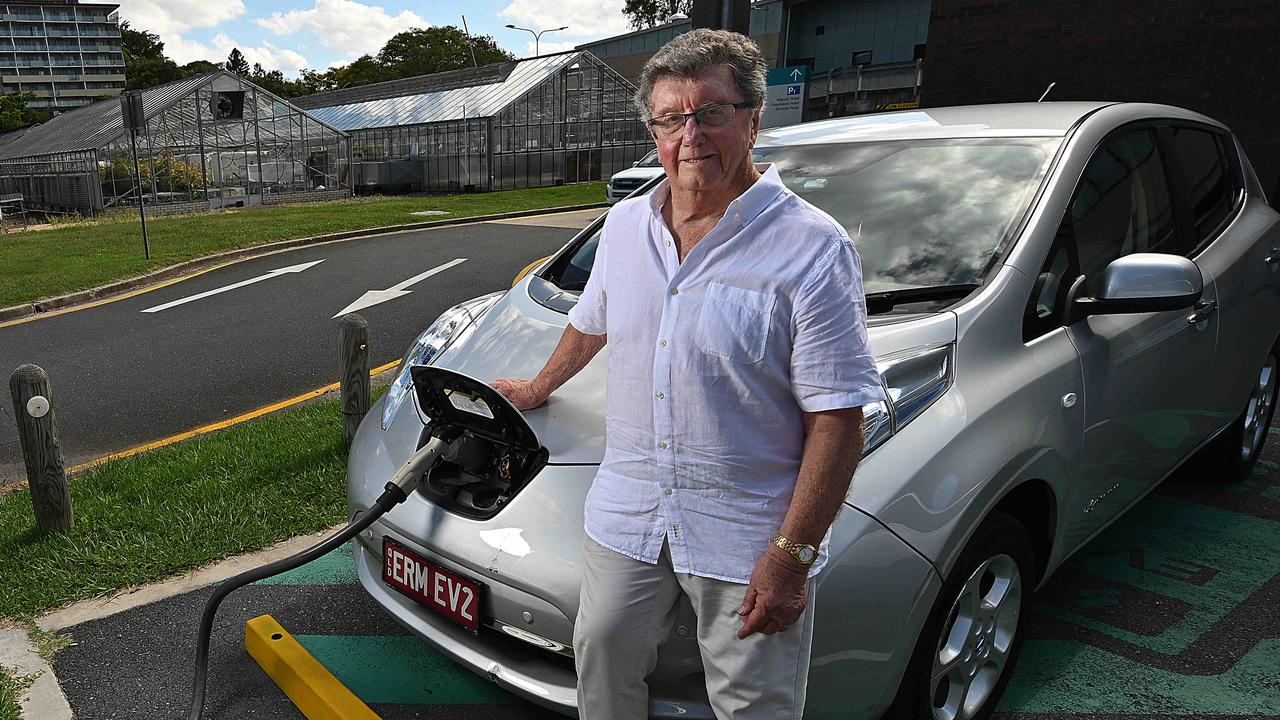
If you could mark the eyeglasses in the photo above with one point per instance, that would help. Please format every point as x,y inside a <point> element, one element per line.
<point>708,118</point>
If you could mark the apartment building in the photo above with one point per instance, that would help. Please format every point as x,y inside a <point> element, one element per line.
<point>63,52</point>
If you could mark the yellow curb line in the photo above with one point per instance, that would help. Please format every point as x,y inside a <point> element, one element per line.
<point>221,424</point>
<point>311,687</point>
<point>116,298</point>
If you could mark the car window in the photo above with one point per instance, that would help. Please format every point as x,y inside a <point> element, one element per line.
<point>649,160</point>
<point>1122,205</point>
<point>1206,174</point>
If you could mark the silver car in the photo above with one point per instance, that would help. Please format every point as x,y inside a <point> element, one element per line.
<point>1067,301</point>
<point>625,182</point>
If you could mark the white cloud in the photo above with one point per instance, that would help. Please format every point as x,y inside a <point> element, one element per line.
<point>343,26</point>
<point>170,18</point>
<point>268,55</point>
<point>547,48</point>
<point>593,19</point>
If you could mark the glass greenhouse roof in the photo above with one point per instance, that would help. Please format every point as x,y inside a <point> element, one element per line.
<point>476,101</point>
<point>97,125</point>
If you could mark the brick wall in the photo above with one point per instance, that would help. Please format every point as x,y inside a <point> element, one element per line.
<point>305,196</point>
<point>1217,57</point>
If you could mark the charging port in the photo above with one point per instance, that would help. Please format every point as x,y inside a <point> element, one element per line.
<point>492,452</point>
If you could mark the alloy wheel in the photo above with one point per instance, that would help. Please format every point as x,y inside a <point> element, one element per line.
<point>1259,410</point>
<point>973,649</point>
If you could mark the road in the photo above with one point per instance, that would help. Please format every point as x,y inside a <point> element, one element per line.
<point>122,376</point>
<point>1169,614</point>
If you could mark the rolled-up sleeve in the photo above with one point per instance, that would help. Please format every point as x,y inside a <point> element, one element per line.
<point>588,315</point>
<point>831,362</point>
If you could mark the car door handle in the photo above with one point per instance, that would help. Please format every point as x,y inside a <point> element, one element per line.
<point>1203,310</point>
<point>1274,257</point>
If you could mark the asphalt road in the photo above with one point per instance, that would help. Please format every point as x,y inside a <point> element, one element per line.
<point>121,377</point>
<point>1169,614</point>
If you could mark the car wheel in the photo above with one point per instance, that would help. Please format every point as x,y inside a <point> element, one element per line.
<point>967,650</point>
<point>1234,454</point>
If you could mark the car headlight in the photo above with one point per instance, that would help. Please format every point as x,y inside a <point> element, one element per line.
<point>430,344</point>
<point>913,379</point>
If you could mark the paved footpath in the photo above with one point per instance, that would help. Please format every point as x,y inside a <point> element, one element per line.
<point>1171,613</point>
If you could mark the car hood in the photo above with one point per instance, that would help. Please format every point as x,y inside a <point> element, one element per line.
<point>643,173</point>
<point>515,338</point>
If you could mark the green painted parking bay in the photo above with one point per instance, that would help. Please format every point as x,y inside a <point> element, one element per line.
<point>1173,611</point>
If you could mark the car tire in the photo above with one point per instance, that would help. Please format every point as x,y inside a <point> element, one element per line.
<point>965,655</point>
<point>1233,455</point>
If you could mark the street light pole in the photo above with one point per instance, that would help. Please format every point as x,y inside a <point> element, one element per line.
<point>537,35</point>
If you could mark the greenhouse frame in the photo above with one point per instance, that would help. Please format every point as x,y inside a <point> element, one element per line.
<point>211,141</point>
<point>549,120</point>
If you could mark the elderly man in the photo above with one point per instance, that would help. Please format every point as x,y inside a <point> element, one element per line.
<point>738,366</point>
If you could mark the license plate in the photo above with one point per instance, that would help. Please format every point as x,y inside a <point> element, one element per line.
<point>441,590</point>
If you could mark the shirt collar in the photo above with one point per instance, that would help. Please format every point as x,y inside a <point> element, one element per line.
<point>745,207</point>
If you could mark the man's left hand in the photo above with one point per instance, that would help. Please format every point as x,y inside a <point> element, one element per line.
<point>776,594</point>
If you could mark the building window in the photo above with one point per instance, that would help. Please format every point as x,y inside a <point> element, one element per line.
<point>861,57</point>
<point>820,30</point>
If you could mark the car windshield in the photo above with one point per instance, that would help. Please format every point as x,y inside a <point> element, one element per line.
<point>649,160</point>
<point>922,214</point>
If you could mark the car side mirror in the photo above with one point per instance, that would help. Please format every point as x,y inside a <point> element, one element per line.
<point>1139,283</point>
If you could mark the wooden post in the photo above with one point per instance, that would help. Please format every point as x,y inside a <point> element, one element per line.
<point>38,434</point>
<point>355,373</point>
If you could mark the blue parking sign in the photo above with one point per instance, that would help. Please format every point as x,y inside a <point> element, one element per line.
<point>793,89</point>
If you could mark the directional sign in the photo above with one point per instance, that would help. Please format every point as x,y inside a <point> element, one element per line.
<point>373,297</point>
<point>274,273</point>
<point>784,97</point>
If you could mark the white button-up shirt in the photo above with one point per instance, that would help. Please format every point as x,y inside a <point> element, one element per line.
<point>712,363</point>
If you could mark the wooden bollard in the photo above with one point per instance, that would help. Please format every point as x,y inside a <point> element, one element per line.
<point>355,373</point>
<point>38,433</point>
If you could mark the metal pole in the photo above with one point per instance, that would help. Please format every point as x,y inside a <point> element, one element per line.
<point>137,185</point>
<point>467,32</point>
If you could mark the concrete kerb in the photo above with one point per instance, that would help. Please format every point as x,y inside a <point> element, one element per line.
<point>44,699</point>
<point>84,296</point>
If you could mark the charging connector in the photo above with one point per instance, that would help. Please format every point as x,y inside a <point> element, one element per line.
<point>398,489</point>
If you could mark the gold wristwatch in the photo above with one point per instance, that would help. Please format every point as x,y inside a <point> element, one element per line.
<point>804,554</point>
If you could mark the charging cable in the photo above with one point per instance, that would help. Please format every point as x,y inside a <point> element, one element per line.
<point>397,491</point>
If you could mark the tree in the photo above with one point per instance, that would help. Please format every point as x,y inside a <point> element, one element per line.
<point>364,70</point>
<point>647,13</point>
<point>145,64</point>
<point>421,51</point>
<point>236,63</point>
<point>15,114</point>
<point>274,82</point>
<point>199,67</point>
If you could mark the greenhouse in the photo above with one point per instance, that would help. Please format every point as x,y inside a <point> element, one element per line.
<point>548,120</point>
<point>211,141</point>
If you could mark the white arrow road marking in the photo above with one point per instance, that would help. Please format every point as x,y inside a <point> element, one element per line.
<point>374,297</point>
<point>242,283</point>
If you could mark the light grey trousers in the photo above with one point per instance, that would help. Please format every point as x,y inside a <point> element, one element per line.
<point>628,608</point>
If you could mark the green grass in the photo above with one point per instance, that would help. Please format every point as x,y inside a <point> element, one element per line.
<point>147,517</point>
<point>11,688</point>
<point>79,256</point>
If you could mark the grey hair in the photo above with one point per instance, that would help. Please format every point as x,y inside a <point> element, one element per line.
<point>691,54</point>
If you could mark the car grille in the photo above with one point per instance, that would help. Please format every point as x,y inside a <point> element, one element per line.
<point>627,184</point>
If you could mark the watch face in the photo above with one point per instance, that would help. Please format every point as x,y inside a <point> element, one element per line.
<point>806,553</point>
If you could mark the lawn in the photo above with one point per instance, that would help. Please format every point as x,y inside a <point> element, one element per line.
<point>151,516</point>
<point>48,263</point>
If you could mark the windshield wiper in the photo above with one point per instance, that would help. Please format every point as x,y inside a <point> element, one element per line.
<point>883,302</point>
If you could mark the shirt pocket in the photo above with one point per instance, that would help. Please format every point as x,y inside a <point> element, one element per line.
<point>734,323</point>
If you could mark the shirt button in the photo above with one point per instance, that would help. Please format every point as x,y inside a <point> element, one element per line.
<point>667,491</point>
<point>661,396</point>
<point>675,291</point>
<point>662,343</point>
<point>662,446</point>
<point>668,243</point>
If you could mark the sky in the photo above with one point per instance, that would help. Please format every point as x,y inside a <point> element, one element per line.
<point>290,35</point>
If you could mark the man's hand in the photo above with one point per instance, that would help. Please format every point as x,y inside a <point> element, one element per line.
<point>521,393</point>
<point>776,594</point>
